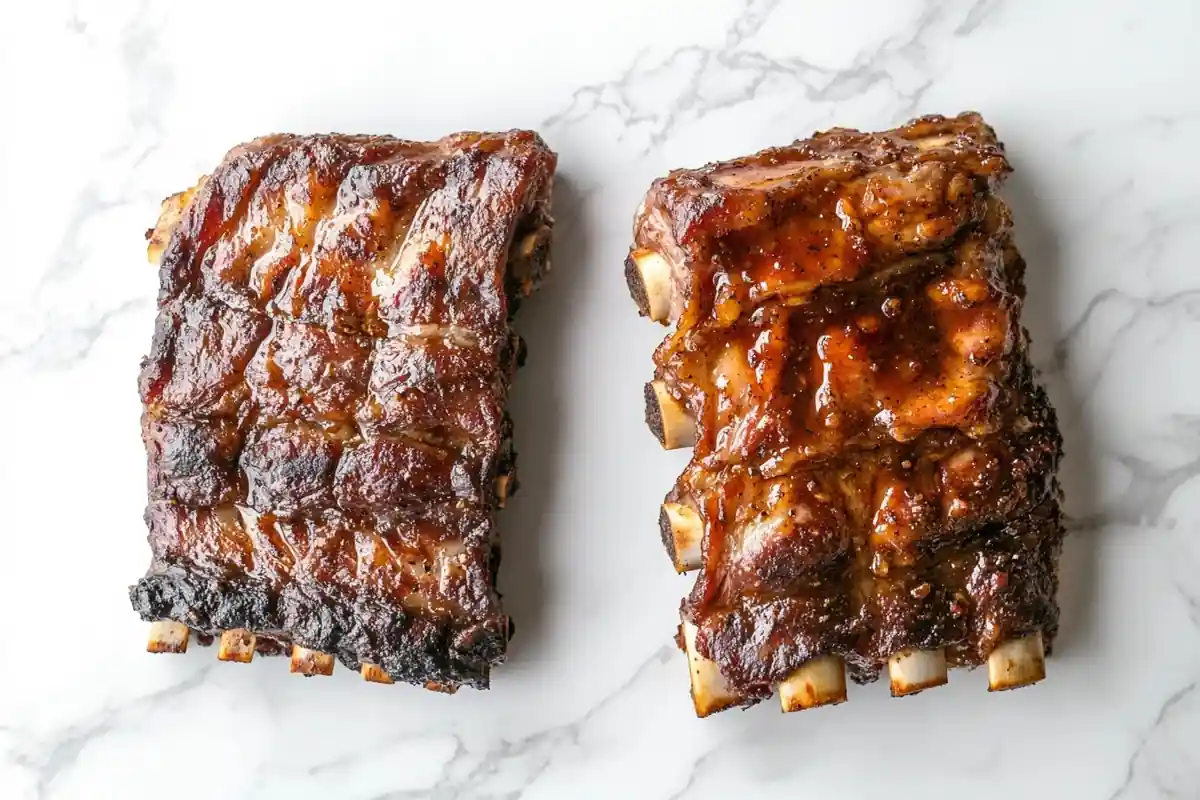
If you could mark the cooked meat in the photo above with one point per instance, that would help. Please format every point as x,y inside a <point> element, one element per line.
<point>967,597</point>
<point>836,208</point>
<point>933,347</point>
<point>873,479</point>
<point>324,397</point>
<point>894,500</point>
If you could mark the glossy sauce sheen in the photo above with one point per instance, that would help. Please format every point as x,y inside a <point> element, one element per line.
<point>931,348</point>
<point>324,397</point>
<point>875,466</point>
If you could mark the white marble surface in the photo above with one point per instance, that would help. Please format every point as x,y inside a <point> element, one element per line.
<point>109,106</point>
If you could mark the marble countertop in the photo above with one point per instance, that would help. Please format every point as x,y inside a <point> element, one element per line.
<point>110,106</point>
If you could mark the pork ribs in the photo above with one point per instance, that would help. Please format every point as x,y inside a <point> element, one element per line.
<point>873,475</point>
<point>324,400</point>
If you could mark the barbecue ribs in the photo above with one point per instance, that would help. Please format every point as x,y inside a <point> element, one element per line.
<point>873,475</point>
<point>324,400</point>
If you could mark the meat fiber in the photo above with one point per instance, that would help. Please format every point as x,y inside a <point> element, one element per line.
<point>324,399</point>
<point>873,480</point>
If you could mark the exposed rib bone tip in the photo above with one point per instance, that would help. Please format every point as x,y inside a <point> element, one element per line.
<point>912,670</point>
<point>1017,663</point>
<point>818,682</point>
<point>710,692</point>
<point>502,486</point>
<point>311,662</point>
<point>654,275</point>
<point>441,688</point>
<point>169,213</point>
<point>932,142</point>
<point>534,240</point>
<point>687,533</point>
<point>375,674</point>
<point>667,418</point>
<point>237,644</point>
<point>167,636</point>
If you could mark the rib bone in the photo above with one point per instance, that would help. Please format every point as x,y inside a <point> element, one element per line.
<point>710,692</point>
<point>167,637</point>
<point>1017,663</point>
<point>441,688</point>
<point>819,682</point>
<point>169,213</point>
<point>375,674</point>
<point>667,418</point>
<point>686,531</point>
<point>914,670</point>
<point>503,483</point>
<point>530,258</point>
<point>311,662</point>
<point>650,276</point>
<point>237,645</point>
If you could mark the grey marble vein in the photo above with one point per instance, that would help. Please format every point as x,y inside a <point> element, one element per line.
<point>1134,308</point>
<point>468,771</point>
<point>541,745</point>
<point>64,345</point>
<point>1164,713</point>
<point>1098,114</point>
<point>977,15</point>
<point>50,757</point>
<point>67,332</point>
<point>1192,599</point>
<point>700,77</point>
<point>696,772</point>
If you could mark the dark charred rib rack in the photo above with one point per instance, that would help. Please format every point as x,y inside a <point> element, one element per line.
<point>324,400</point>
<point>873,481</point>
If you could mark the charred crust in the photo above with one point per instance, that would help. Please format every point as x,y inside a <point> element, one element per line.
<point>654,420</point>
<point>506,455</point>
<point>637,287</point>
<point>356,629</point>
<point>528,265</point>
<point>200,416</point>
<point>668,535</point>
<point>205,604</point>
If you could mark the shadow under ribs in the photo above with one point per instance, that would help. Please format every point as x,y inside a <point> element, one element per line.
<point>324,400</point>
<point>873,477</point>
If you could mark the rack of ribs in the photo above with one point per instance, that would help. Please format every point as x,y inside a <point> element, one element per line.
<point>873,475</point>
<point>324,401</point>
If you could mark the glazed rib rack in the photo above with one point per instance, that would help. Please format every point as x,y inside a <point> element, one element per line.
<point>872,484</point>
<point>324,401</point>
